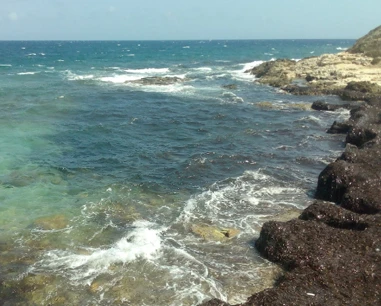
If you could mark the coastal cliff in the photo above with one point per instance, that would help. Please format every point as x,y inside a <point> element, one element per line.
<point>331,254</point>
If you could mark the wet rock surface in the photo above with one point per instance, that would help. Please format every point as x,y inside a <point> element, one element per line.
<point>331,253</point>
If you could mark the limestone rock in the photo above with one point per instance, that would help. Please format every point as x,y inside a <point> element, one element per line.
<point>275,73</point>
<point>213,233</point>
<point>328,72</point>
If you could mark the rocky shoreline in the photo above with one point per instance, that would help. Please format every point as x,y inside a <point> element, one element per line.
<point>331,254</point>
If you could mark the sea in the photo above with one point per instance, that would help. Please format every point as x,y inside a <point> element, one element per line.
<point>125,167</point>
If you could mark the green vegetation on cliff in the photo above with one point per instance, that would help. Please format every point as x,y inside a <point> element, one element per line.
<point>370,44</point>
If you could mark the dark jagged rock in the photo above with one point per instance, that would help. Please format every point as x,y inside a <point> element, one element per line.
<point>339,128</point>
<point>305,90</point>
<point>354,180</point>
<point>364,87</point>
<point>324,106</point>
<point>331,254</point>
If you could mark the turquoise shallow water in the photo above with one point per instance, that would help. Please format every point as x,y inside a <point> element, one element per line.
<point>105,181</point>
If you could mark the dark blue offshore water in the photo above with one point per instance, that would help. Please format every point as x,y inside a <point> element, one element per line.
<point>130,168</point>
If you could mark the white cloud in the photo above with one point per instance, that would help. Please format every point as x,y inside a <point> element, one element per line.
<point>13,16</point>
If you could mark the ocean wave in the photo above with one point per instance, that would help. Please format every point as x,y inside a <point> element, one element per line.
<point>27,73</point>
<point>230,203</point>
<point>251,65</point>
<point>341,49</point>
<point>231,97</point>
<point>119,79</point>
<point>207,69</point>
<point>143,242</point>
<point>5,65</point>
<point>75,77</point>
<point>148,70</point>
<point>241,73</point>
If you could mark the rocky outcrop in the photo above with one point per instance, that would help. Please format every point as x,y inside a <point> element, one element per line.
<point>369,44</point>
<point>275,73</point>
<point>331,254</point>
<point>329,72</point>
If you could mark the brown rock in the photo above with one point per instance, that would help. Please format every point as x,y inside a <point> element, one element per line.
<point>54,222</point>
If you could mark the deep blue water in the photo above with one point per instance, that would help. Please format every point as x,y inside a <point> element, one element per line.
<point>124,171</point>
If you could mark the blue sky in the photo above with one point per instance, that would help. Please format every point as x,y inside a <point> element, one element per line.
<point>195,19</point>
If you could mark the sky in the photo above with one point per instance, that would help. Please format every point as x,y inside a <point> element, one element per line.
<point>182,20</point>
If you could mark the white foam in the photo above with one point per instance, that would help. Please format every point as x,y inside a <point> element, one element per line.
<point>344,114</point>
<point>75,77</point>
<point>239,202</point>
<point>231,97</point>
<point>143,242</point>
<point>32,54</point>
<point>341,49</point>
<point>27,73</point>
<point>186,47</point>
<point>203,69</point>
<point>251,65</point>
<point>119,79</point>
<point>171,88</point>
<point>242,75</point>
<point>5,65</point>
<point>148,70</point>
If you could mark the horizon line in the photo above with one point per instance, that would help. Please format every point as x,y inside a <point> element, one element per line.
<point>209,39</point>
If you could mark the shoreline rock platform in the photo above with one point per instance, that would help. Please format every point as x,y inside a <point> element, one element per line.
<point>331,253</point>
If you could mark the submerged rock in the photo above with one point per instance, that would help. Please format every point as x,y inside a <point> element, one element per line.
<point>158,80</point>
<point>213,233</point>
<point>54,222</point>
<point>230,86</point>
